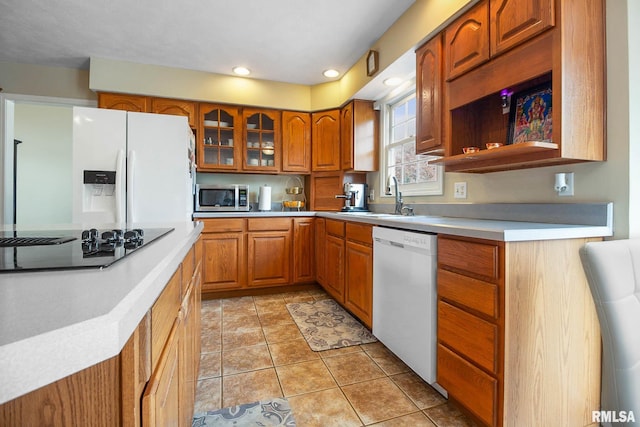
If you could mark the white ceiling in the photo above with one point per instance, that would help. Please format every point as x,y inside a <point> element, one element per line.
<point>282,40</point>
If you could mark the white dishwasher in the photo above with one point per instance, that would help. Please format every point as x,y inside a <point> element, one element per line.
<point>404,297</point>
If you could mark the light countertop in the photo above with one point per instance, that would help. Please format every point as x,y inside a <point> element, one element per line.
<point>56,323</point>
<point>506,231</point>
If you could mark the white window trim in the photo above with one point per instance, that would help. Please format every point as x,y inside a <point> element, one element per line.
<point>435,188</point>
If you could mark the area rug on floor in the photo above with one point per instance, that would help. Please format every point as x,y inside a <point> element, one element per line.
<point>265,413</point>
<point>325,325</point>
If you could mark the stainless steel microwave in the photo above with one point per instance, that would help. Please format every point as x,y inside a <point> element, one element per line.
<point>222,198</point>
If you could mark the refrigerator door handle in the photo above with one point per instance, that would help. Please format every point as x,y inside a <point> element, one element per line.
<point>120,175</point>
<point>131,176</point>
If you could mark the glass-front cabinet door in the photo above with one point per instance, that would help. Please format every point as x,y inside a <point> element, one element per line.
<point>220,140</point>
<point>262,140</point>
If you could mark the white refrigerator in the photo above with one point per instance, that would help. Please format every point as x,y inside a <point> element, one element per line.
<point>131,168</point>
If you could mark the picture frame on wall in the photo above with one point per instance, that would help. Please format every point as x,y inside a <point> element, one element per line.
<point>372,62</point>
<point>530,115</point>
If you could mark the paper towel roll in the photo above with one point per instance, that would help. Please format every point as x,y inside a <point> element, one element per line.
<point>264,198</point>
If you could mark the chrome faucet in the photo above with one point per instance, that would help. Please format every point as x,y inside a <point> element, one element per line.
<point>398,209</point>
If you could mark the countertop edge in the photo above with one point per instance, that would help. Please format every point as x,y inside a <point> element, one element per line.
<point>39,360</point>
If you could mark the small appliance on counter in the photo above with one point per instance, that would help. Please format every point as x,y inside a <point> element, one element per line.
<point>355,197</point>
<point>222,198</point>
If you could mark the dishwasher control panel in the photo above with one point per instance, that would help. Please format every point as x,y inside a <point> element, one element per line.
<point>424,241</point>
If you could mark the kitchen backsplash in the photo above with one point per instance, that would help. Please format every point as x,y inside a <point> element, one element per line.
<point>278,183</point>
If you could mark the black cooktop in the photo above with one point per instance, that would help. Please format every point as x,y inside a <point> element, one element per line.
<point>71,249</point>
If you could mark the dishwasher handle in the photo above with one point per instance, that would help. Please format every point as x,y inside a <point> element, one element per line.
<point>389,242</point>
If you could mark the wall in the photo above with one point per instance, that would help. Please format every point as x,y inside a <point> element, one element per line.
<point>613,180</point>
<point>278,183</point>
<point>44,163</point>
<point>29,79</point>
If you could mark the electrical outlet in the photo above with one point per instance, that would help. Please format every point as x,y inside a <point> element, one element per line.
<point>372,195</point>
<point>460,190</point>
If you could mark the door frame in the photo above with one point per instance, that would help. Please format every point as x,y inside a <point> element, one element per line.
<point>7,120</point>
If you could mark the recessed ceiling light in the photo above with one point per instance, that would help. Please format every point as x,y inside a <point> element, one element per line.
<point>241,71</point>
<point>330,73</point>
<point>392,81</point>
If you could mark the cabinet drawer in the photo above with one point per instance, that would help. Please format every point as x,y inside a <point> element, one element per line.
<point>473,293</point>
<point>476,258</point>
<point>163,315</point>
<point>473,388</point>
<point>335,228</point>
<point>468,335</point>
<point>360,233</point>
<point>269,224</point>
<point>223,225</point>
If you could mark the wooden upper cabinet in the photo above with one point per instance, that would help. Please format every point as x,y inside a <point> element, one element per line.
<point>429,96</point>
<point>176,107</point>
<point>467,41</point>
<point>296,142</point>
<point>117,101</point>
<point>261,138</point>
<point>219,138</point>
<point>515,21</point>
<point>325,145</point>
<point>359,136</point>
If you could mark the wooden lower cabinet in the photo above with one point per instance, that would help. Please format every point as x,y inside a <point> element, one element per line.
<point>303,250</point>
<point>133,388</point>
<point>358,274</point>
<point>160,403</point>
<point>243,253</point>
<point>223,254</point>
<point>334,259</point>
<point>518,335</point>
<point>320,251</point>
<point>345,256</point>
<point>269,257</point>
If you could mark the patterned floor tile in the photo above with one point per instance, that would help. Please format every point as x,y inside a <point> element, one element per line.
<point>340,351</point>
<point>304,377</point>
<point>293,351</point>
<point>240,321</point>
<point>250,387</point>
<point>385,359</point>
<point>242,337</point>
<point>417,419</point>
<point>422,394</point>
<point>378,400</point>
<point>210,365</point>
<point>282,332</point>
<point>246,359</point>
<point>447,415</point>
<point>322,409</point>
<point>353,368</point>
<point>208,395</point>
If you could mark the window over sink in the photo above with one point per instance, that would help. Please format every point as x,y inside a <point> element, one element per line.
<point>415,175</point>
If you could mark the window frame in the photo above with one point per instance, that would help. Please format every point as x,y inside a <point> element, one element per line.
<point>432,188</point>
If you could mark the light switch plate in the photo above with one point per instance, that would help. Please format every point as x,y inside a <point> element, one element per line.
<point>460,190</point>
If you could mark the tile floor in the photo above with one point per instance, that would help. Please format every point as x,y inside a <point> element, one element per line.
<point>252,350</point>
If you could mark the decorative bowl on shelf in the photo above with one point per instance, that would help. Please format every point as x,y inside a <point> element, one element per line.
<point>212,123</point>
<point>268,151</point>
<point>293,204</point>
<point>293,190</point>
<point>251,125</point>
<point>470,150</point>
<point>492,145</point>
